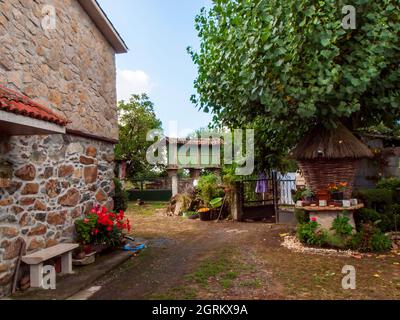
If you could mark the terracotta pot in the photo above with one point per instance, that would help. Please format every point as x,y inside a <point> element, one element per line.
<point>323,196</point>
<point>99,248</point>
<point>87,249</point>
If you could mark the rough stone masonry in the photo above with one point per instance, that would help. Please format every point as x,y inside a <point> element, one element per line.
<point>56,178</point>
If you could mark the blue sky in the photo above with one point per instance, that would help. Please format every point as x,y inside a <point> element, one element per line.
<point>157,33</point>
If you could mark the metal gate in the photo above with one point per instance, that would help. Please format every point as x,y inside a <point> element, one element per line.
<point>261,198</point>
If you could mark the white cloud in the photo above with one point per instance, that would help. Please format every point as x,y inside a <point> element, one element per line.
<point>132,82</point>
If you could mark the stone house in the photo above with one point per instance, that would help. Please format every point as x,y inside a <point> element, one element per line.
<point>58,121</point>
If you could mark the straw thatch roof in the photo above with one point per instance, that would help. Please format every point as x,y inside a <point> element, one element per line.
<point>323,143</point>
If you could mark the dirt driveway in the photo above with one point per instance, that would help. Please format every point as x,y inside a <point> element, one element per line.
<point>188,259</point>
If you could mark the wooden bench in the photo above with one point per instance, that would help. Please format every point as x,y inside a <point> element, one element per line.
<point>35,260</point>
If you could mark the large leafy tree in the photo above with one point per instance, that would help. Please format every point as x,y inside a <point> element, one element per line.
<point>282,66</point>
<point>136,118</point>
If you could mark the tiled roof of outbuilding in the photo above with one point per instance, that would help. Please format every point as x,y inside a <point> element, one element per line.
<point>17,103</point>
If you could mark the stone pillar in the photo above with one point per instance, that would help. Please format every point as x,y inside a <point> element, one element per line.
<point>236,206</point>
<point>173,174</point>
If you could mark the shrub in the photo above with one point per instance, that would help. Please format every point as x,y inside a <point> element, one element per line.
<point>366,215</point>
<point>338,241</point>
<point>301,216</point>
<point>120,197</point>
<point>370,238</point>
<point>389,184</point>
<point>378,199</point>
<point>386,220</point>
<point>341,225</point>
<point>310,233</point>
<point>380,242</point>
<point>208,188</point>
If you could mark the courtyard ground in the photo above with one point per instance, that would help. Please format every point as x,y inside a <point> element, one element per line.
<point>190,259</point>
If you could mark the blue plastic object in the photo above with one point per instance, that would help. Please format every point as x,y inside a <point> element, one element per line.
<point>134,249</point>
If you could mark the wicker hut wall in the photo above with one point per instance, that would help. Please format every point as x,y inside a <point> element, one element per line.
<point>319,174</point>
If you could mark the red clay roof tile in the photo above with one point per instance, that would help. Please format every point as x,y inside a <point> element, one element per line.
<point>17,103</point>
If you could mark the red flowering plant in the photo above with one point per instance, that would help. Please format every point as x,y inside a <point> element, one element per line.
<point>102,227</point>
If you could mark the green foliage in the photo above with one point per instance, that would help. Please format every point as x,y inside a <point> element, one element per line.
<point>301,216</point>
<point>102,227</point>
<point>282,66</point>
<point>381,207</point>
<point>389,184</point>
<point>380,242</point>
<point>386,220</point>
<point>120,197</point>
<point>208,188</point>
<point>228,175</point>
<point>383,129</point>
<point>392,184</point>
<point>341,225</point>
<point>309,233</point>
<point>216,203</point>
<point>84,228</point>
<point>338,241</point>
<point>136,118</point>
<point>370,239</point>
<point>378,199</point>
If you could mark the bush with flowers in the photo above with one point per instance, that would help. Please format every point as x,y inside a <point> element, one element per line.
<point>102,227</point>
<point>311,233</point>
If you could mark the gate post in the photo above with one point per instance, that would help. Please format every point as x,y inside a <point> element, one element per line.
<point>275,194</point>
<point>237,203</point>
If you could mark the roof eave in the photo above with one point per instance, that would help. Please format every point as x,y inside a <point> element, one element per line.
<point>104,24</point>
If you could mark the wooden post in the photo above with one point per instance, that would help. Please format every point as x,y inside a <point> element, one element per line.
<point>275,194</point>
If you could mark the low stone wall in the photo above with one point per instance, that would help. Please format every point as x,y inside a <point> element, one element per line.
<point>56,179</point>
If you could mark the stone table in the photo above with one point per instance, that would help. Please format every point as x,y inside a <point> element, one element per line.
<point>326,215</point>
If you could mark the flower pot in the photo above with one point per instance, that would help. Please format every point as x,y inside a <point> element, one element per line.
<point>87,249</point>
<point>323,196</point>
<point>205,215</point>
<point>99,248</point>
<point>338,203</point>
<point>88,259</point>
<point>337,195</point>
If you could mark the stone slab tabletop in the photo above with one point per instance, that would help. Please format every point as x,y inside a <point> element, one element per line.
<point>328,208</point>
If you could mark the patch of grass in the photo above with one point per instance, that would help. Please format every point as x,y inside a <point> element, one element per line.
<point>253,283</point>
<point>178,293</point>
<point>222,270</point>
<point>148,208</point>
<point>207,270</point>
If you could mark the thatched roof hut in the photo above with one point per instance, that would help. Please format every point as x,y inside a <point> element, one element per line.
<point>330,156</point>
<point>323,143</point>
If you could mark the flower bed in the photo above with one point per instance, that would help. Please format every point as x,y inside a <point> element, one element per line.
<point>342,235</point>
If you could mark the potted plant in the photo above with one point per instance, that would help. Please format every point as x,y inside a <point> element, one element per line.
<point>205,214</point>
<point>337,191</point>
<point>209,191</point>
<point>101,229</point>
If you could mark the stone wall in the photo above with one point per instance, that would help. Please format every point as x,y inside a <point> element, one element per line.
<point>57,179</point>
<point>70,69</point>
